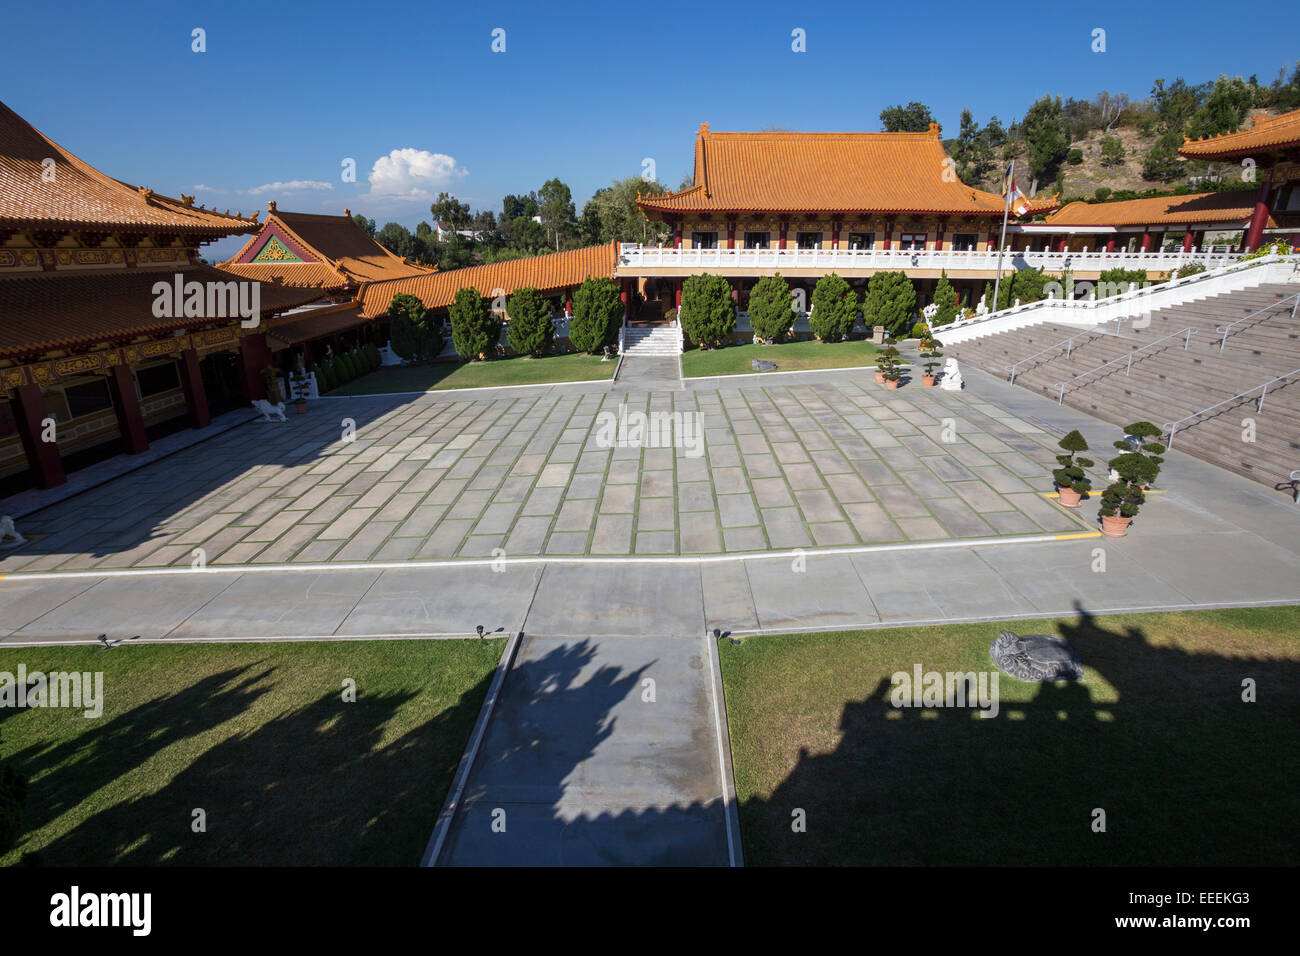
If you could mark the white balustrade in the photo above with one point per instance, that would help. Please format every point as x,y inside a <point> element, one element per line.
<point>635,258</point>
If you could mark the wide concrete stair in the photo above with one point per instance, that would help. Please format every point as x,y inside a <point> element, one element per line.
<point>652,340</point>
<point>1160,373</point>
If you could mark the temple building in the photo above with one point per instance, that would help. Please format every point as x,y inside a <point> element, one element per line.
<point>311,251</point>
<point>1268,153</point>
<point>112,332</point>
<point>327,253</point>
<point>805,196</point>
<point>1155,224</point>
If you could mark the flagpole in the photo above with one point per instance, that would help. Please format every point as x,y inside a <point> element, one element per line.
<point>1006,208</point>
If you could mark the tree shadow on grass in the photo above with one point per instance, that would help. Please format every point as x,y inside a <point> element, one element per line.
<point>1185,771</point>
<point>317,785</point>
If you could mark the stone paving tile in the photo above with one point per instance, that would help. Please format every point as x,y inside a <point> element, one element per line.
<point>919,529</point>
<point>567,542</point>
<point>785,528</point>
<point>437,478</point>
<point>655,542</point>
<point>528,535</point>
<point>613,534</point>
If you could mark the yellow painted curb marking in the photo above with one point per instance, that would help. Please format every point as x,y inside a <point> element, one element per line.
<point>1081,534</point>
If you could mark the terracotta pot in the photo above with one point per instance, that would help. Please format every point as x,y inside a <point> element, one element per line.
<point>927,381</point>
<point>893,384</point>
<point>880,378</point>
<point>1115,526</point>
<point>1069,497</point>
<point>302,408</point>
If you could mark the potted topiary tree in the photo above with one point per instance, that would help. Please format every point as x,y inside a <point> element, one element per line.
<point>887,364</point>
<point>1134,471</point>
<point>301,386</point>
<point>1071,482</point>
<point>930,355</point>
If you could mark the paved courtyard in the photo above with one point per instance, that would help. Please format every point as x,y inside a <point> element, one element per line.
<point>781,466</point>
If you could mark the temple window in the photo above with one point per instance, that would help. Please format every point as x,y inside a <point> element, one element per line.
<point>757,240</point>
<point>862,240</point>
<point>704,240</point>
<point>808,240</point>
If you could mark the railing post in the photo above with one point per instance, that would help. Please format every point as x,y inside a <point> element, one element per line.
<point>1060,395</point>
<point>1262,392</point>
<point>1172,428</point>
<point>1188,340</point>
<point>1129,367</point>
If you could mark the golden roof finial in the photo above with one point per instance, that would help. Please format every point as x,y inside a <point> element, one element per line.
<point>934,129</point>
<point>704,128</point>
<point>270,206</point>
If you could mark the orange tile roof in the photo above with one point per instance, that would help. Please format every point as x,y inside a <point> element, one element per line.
<point>1041,204</point>
<point>1267,132</point>
<point>292,330</point>
<point>55,311</point>
<point>1230,206</point>
<point>548,273</point>
<point>348,255</point>
<point>82,196</point>
<point>823,172</point>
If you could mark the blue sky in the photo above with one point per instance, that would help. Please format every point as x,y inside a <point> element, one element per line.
<point>584,90</point>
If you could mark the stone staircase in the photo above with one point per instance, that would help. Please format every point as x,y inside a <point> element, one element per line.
<point>1172,375</point>
<point>652,340</point>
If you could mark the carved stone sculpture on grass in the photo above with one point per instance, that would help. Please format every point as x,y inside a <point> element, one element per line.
<point>1035,657</point>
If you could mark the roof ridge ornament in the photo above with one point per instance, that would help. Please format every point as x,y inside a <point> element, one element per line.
<point>934,128</point>
<point>704,129</point>
<point>270,206</point>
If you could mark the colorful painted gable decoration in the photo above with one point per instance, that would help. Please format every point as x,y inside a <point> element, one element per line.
<point>275,251</point>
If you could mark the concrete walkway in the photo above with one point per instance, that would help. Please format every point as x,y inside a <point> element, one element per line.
<point>601,752</point>
<point>649,373</point>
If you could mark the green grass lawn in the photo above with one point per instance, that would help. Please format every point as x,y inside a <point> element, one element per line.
<point>258,737</point>
<point>516,370</point>
<point>1156,735</point>
<point>789,357</point>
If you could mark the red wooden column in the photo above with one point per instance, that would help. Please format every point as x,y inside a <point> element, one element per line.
<point>1110,244</point>
<point>938,239</point>
<point>254,355</point>
<point>835,233</point>
<point>677,236</point>
<point>1146,239</point>
<point>677,293</point>
<point>1259,218</point>
<point>196,396</point>
<point>624,297</point>
<point>1063,244</point>
<point>130,421</point>
<point>42,456</point>
<point>1187,239</point>
<point>781,240</point>
<point>731,234</point>
<point>889,234</point>
<point>993,238</point>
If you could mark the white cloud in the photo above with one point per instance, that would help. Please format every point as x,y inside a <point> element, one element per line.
<point>413,174</point>
<point>293,186</point>
<point>200,187</point>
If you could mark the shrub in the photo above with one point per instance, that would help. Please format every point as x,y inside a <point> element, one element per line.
<point>1112,151</point>
<point>770,312</point>
<point>1137,467</point>
<point>1075,156</point>
<point>1279,247</point>
<point>475,330</point>
<point>1070,474</point>
<point>597,314</point>
<point>530,331</point>
<point>835,309</point>
<point>708,312</point>
<point>415,336</point>
<point>920,331</point>
<point>887,361</point>
<point>1190,269</point>
<point>945,297</point>
<point>890,301</point>
<point>377,360</point>
<point>1102,193</point>
<point>1027,285</point>
<point>1117,281</point>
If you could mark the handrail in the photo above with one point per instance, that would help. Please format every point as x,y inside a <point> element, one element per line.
<point>1226,328</point>
<point>1141,292</point>
<point>1068,343</point>
<point>1259,407</point>
<point>1293,480</point>
<point>1190,331</point>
